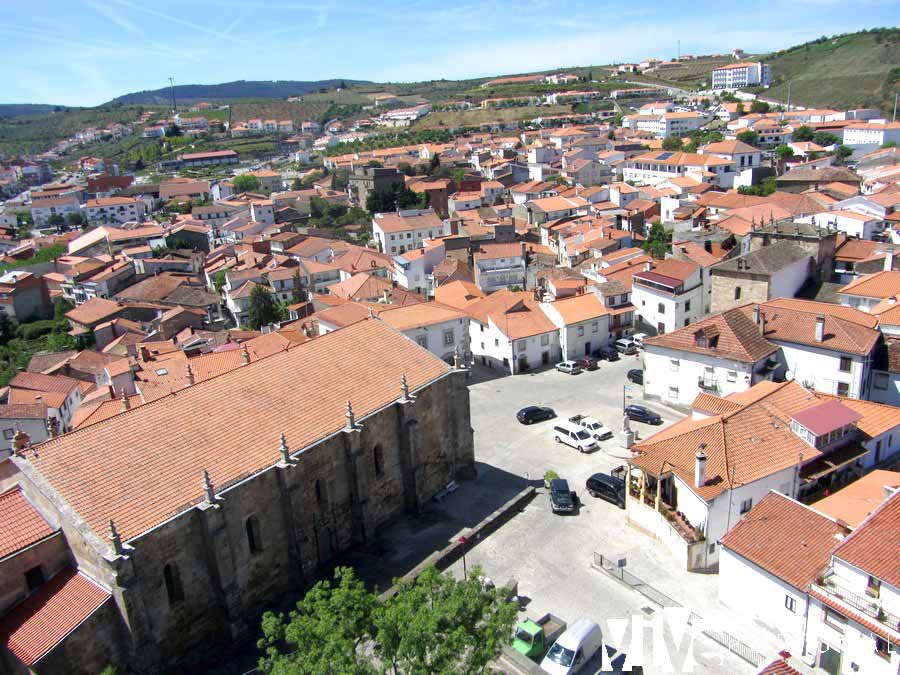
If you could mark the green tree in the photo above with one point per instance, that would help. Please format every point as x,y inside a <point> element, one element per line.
<point>803,133</point>
<point>658,241</point>
<point>889,144</point>
<point>246,182</point>
<point>759,107</point>
<point>435,624</point>
<point>324,633</point>
<point>263,308</point>
<point>60,307</point>
<point>218,281</point>
<point>7,330</point>
<point>843,152</point>
<point>824,138</point>
<point>672,143</point>
<point>749,137</point>
<point>434,164</point>
<point>75,219</point>
<point>784,152</point>
<point>58,342</point>
<point>296,184</point>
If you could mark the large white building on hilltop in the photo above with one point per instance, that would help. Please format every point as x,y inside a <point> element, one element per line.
<point>744,74</point>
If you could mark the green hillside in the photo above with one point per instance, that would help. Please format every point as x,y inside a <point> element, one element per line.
<point>844,71</point>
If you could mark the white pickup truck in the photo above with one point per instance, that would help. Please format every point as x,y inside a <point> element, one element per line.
<point>593,426</point>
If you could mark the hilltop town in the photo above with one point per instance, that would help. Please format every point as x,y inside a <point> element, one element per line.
<point>627,337</point>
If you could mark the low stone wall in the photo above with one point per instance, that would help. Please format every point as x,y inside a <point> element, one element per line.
<point>448,555</point>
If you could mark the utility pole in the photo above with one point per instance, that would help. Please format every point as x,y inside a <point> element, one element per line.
<point>174,105</point>
<point>894,117</point>
<point>679,50</point>
<point>788,100</point>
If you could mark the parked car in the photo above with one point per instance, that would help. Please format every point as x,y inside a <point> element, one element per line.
<point>636,376</point>
<point>626,346</point>
<point>607,487</point>
<point>574,436</point>
<point>574,648</point>
<point>570,367</point>
<point>639,413</point>
<point>562,499</point>
<point>587,363</point>
<point>606,353</point>
<point>639,339</point>
<point>535,413</point>
<point>534,637</point>
<point>594,426</point>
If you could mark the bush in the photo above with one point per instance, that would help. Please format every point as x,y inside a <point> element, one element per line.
<point>35,329</point>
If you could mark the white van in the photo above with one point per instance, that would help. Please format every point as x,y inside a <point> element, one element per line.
<point>574,648</point>
<point>574,435</point>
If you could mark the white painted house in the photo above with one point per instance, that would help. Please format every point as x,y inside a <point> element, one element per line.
<point>669,294</point>
<point>583,323</point>
<point>399,232</point>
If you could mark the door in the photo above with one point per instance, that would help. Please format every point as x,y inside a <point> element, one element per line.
<point>587,348</point>
<point>829,659</point>
<point>545,358</point>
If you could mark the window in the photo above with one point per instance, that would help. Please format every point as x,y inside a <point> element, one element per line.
<point>378,461</point>
<point>746,505</point>
<point>843,389</point>
<point>496,342</point>
<point>674,364</point>
<point>392,238</point>
<point>687,305</point>
<point>737,292</point>
<point>522,345</point>
<point>174,589</point>
<point>846,363</point>
<point>732,376</point>
<point>449,339</point>
<point>422,341</point>
<point>9,434</point>
<point>790,603</point>
<point>545,340</point>
<point>320,492</point>
<point>34,578</point>
<point>661,308</point>
<point>873,587</point>
<point>254,538</point>
<point>580,331</point>
<point>835,620</point>
<point>881,381</point>
<point>673,392</point>
<point>409,235</point>
<point>882,648</point>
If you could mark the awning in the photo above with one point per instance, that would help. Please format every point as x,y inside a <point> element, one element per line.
<point>831,462</point>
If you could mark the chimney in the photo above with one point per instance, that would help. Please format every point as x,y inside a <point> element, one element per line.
<point>889,491</point>
<point>820,328</point>
<point>756,314</point>
<point>126,405</point>
<point>145,353</point>
<point>700,467</point>
<point>707,246</point>
<point>245,355</point>
<point>889,260</point>
<point>648,266</point>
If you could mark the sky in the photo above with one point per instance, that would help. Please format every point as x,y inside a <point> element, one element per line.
<point>86,52</point>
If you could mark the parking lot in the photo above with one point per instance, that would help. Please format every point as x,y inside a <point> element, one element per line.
<point>551,555</point>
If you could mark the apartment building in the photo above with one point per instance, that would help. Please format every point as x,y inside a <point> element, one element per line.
<point>744,74</point>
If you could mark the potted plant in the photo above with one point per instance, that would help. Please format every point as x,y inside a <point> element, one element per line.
<point>548,476</point>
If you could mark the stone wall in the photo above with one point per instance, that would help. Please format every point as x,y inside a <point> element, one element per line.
<point>754,288</point>
<point>51,554</point>
<point>94,644</point>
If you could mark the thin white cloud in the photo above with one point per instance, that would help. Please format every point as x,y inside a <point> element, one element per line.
<point>117,18</point>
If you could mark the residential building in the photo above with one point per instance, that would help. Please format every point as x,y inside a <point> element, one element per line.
<point>743,74</point>
<point>689,484</point>
<point>442,330</point>
<point>403,231</point>
<point>775,271</point>
<point>867,292</point>
<point>499,266</point>
<point>45,209</point>
<point>508,331</point>
<point>871,135</point>
<point>212,158</point>
<point>653,168</point>
<point>722,354</point>
<point>669,294</point>
<point>112,210</point>
<point>59,395</point>
<point>413,269</point>
<point>583,323</point>
<point>23,296</point>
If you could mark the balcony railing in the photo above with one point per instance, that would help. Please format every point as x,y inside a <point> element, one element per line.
<point>708,383</point>
<point>864,605</point>
<point>675,518</point>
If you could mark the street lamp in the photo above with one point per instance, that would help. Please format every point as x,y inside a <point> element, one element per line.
<point>464,541</point>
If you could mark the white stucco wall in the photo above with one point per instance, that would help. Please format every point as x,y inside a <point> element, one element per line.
<point>820,368</point>
<point>660,374</point>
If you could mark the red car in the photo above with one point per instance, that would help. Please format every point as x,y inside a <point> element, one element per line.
<point>587,363</point>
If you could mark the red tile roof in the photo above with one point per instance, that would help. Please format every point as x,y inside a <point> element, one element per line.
<point>45,618</point>
<point>874,545</point>
<point>160,449</point>
<point>826,417</point>
<point>22,524</point>
<point>787,539</point>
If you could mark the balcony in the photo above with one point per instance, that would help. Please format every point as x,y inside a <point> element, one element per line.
<point>710,384</point>
<point>866,607</point>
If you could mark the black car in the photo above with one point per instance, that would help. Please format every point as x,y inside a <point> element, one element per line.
<point>562,499</point>
<point>587,363</point>
<point>636,376</point>
<point>606,353</point>
<point>534,413</point>
<point>639,413</point>
<point>607,487</point>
